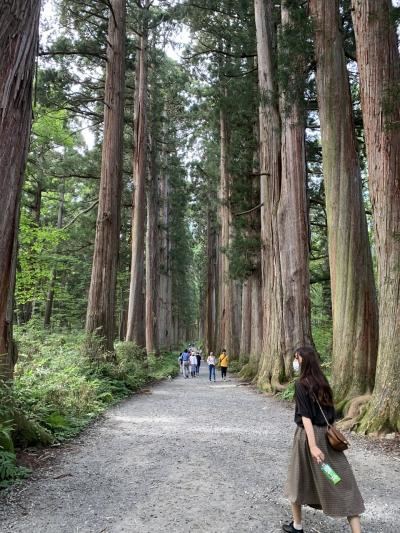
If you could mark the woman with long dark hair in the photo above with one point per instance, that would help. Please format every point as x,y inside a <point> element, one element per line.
<point>307,485</point>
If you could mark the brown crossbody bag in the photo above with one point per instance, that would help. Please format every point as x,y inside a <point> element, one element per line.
<point>335,437</point>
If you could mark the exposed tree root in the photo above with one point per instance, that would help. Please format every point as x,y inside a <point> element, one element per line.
<point>29,433</point>
<point>353,411</point>
<point>248,371</point>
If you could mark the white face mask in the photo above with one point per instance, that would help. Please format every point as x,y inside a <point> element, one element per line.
<point>296,366</point>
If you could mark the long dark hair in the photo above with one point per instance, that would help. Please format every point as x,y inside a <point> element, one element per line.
<point>312,377</point>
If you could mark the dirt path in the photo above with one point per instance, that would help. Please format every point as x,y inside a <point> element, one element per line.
<point>190,456</point>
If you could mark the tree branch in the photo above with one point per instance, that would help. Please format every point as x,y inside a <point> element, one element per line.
<point>217,51</point>
<point>81,213</point>
<point>80,176</point>
<point>71,53</point>
<point>249,210</point>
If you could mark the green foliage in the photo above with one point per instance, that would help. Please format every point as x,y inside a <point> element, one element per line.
<point>295,52</point>
<point>59,389</point>
<point>37,247</point>
<point>62,388</point>
<point>236,366</point>
<point>9,471</point>
<point>288,393</point>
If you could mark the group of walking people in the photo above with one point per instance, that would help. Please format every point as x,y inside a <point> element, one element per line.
<point>222,361</point>
<point>190,361</point>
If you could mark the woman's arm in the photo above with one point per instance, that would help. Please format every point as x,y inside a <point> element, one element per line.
<point>315,451</point>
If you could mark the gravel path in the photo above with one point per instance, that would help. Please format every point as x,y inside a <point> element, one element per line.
<point>191,456</point>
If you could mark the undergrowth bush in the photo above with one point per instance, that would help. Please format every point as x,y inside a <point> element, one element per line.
<point>59,388</point>
<point>236,366</point>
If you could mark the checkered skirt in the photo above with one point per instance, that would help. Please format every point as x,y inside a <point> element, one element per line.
<point>307,485</point>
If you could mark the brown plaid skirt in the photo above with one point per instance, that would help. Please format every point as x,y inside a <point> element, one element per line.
<point>307,485</point>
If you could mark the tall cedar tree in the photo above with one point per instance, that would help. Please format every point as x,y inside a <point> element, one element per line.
<point>379,67</point>
<point>293,212</point>
<point>152,240</point>
<point>227,334</point>
<point>101,302</point>
<point>19,32</point>
<point>354,307</point>
<point>271,371</point>
<point>136,320</point>
<point>282,169</point>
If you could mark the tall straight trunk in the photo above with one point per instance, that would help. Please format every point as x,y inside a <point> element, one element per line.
<point>19,23</point>
<point>252,312</point>
<point>245,335</point>
<point>236,317</point>
<point>164,260</point>
<point>256,319</point>
<point>379,67</point>
<point>211,287</point>
<point>293,224</point>
<point>272,369</point>
<point>227,336</point>
<point>26,310</point>
<point>50,293</point>
<point>136,320</point>
<point>100,317</point>
<point>152,258</point>
<point>354,307</point>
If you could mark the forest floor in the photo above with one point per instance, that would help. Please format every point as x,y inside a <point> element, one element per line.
<point>185,456</point>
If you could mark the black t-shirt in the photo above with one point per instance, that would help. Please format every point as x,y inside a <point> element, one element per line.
<point>306,406</point>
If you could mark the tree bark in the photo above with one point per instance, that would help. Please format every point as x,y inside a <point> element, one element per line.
<point>19,23</point>
<point>227,337</point>
<point>165,333</point>
<point>100,317</point>
<point>379,68</point>
<point>245,335</point>
<point>152,267</point>
<point>256,319</point>
<point>293,225</point>
<point>272,368</point>
<point>50,293</point>
<point>211,287</point>
<point>354,307</point>
<point>136,320</point>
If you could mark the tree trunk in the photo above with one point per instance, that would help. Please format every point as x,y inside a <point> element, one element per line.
<point>293,225</point>
<point>50,294</point>
<point>379,67</point>
<point>272,369</point>
<point>228,336</point>
<point>165,340</point>
<point>256,319</point>
<point>19,22</point>
<point>136,322</point>
<point>245,335</point>
<point>354,308</point>
<point>100,317</point>
<point>152,258</point>
<point>211,287</point>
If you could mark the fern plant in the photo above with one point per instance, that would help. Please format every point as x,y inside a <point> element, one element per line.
<point>9,471</point>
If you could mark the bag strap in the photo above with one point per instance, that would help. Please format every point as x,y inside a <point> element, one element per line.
<point>319,405</point>
<point>322,411</point>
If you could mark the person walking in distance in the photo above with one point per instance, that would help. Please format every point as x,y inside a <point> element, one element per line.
<point>193,364</point>
<point>180,363</point>
<point>198,357</point>
<point>185,362</point>
<point>312,456</point>
<point>211,366</point>
<point>223,363</point>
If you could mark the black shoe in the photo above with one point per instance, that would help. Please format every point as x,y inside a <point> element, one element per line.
<point>290,529</point>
